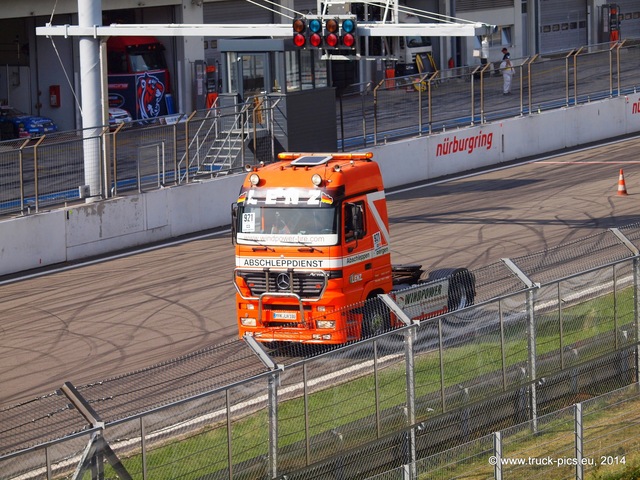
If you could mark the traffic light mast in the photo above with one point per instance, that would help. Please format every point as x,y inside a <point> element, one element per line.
<point>341,35</point>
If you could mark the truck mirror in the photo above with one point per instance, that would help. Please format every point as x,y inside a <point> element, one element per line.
<point>234,222</point>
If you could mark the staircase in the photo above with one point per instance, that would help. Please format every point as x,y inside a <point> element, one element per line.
<point>229,136</point>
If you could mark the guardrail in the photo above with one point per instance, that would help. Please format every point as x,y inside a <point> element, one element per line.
<point>546,330</point>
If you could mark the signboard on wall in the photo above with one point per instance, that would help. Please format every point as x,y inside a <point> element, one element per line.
<point>143,95</point>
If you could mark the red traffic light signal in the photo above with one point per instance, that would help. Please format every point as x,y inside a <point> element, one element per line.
<point>307,32</point>
<point>299,29</point>
<point>348,38</point>
<point>331,33</point>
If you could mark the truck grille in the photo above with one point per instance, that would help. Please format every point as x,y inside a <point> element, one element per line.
<point>307,285</point>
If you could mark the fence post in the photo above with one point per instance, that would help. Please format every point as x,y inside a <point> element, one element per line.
<point>97,450</point>
<point>143,447</point>
<point>636,315</point>
<point>229,436</point>
<point>272,407</point>
<point>560,325</point>
<point>497,454</point>
<point>502,348</point>
<point>376,388</point>
<point>420,109</point>
<point>409,337</point>
<point>440,354</point>
<point>531,336</point>
<point>305,395</point>
<point>636,304</point>
<point>273,423</point>
<point>579,439</point>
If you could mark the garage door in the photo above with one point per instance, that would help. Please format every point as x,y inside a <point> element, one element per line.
<point>563,25</point>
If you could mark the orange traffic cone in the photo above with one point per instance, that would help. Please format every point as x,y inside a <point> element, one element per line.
<point>622,187</point>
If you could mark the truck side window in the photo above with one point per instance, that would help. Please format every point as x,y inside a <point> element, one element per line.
<point>354,226</point>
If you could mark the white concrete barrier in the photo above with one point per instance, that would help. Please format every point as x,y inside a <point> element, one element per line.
<point>107,226</point>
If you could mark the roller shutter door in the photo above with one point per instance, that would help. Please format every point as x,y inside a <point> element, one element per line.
<point>630,26</point>
<point>475,5</point>
<point>236,11</point>
<point>563,25</point>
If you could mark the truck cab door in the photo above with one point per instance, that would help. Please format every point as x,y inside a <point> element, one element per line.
<point>358,264</point>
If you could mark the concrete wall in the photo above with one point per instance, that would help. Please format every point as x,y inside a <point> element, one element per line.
<point>97,228</point>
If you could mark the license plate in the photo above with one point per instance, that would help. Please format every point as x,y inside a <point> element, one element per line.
<point>285,316</point>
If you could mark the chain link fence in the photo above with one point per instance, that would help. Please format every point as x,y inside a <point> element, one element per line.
<point>422,395</point>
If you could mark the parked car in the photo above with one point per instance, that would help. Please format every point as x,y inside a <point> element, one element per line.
<point>118,116</point>
<point>17,124</point>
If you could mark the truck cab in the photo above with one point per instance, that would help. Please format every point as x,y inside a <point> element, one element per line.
<point>139,80</point>
<point>311,238</point>
<point>412,51</point>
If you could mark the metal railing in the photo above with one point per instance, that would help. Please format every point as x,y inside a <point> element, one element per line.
<point>545,331</point>
<point>51,171</point>
<point>465,96</point>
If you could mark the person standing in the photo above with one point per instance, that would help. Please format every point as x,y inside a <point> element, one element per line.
<point>507,72</point>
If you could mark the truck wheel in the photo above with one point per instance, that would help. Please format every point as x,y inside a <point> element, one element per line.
<point>376,319</point>
<point>462,286</point>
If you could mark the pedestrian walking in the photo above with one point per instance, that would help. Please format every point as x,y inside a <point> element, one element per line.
<point>505,54</point>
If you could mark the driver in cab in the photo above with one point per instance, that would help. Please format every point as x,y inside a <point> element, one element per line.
<point>280,227</point>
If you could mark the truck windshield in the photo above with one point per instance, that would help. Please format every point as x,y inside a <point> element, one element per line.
<point>281,225</point>
<point>147,60</point>
<point>415,42</point>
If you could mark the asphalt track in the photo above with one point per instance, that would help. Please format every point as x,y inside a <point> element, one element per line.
<point>86,323</point>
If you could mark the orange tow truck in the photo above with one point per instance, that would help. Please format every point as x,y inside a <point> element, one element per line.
<point>311,236</point>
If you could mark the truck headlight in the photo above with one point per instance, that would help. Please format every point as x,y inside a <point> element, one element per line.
<point>326,324</point>
<point>248,322</point>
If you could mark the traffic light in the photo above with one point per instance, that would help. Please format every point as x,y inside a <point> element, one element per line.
<point>331,33</point>
<point>348,33</point>
<point>315,32</point>
<point>340,33</point>
<point>307,32</point>
<point>299,33</point>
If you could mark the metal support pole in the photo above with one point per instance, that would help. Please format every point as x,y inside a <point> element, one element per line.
<point>143,447</point>
<point>376,388</point>
<point>409,338</point>
<point>636,284</point>
<point>561,327</point>
<point>274,379</point>
<point>502,347</point>
<point>636,315</point>
<point>305,393</point>
<point>497,454</point>
<point>229,436</point>
<point>440,353</point>
<point>531,337</point>
<point>579,439</point>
